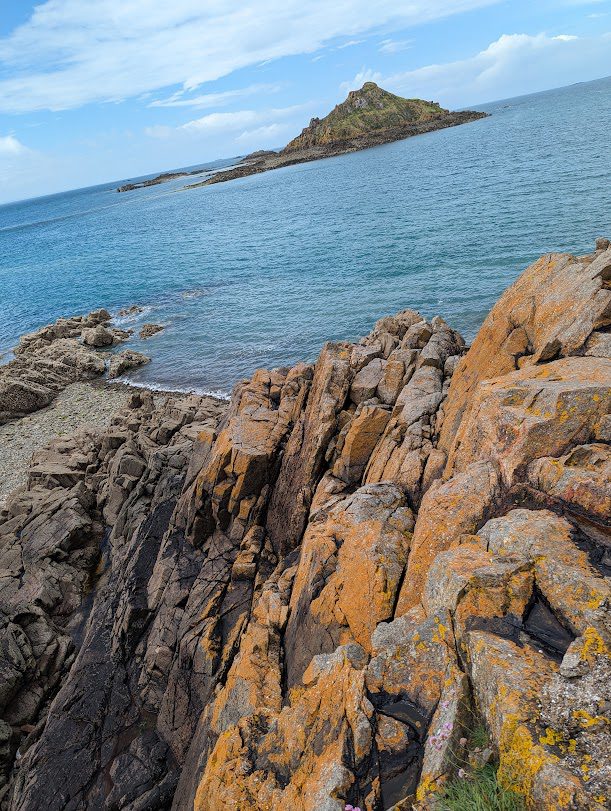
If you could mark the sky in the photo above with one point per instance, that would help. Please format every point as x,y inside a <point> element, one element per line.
<point>93,91</point>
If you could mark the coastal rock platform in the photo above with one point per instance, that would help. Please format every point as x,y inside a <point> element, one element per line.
<point>363,579</point>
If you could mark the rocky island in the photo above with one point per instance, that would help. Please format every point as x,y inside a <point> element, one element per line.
<point>368,117</point>
<point>364,581</point>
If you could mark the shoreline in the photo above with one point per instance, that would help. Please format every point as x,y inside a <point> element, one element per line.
<point>81,406</point>
<point>334,539</point>
<point>86,406</point>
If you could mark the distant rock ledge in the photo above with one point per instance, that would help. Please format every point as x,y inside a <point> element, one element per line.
<point>358,583</point>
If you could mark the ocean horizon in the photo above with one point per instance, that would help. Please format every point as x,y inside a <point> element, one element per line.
<point>261,271</point>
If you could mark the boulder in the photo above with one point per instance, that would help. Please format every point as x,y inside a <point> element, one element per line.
<point>549,312</point>
<point>122,361</point>
<point>98,336</point>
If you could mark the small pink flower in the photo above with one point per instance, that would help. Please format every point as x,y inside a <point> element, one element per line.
<point>462,774</point>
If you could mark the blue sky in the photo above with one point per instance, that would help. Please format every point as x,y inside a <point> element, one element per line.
<point>96,90</point>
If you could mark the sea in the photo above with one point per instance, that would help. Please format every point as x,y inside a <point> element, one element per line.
<point>261,271</point>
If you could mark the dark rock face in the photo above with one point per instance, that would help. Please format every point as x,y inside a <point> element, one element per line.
<point>303,600</point>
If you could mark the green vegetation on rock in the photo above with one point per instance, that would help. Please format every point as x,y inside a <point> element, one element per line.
<point>479,791</point>
<point>365,111</point>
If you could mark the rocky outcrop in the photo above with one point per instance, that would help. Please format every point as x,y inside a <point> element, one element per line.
<point>317,597</point>
<point>368,117</point>
<point>148,330</point>
<point>121,362</point>
<point>48,360</point>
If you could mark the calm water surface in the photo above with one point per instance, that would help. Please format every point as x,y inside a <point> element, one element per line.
<point>262,270</point>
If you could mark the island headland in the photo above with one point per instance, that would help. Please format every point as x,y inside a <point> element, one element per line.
<point>368,117</point>
<point>359,582</point>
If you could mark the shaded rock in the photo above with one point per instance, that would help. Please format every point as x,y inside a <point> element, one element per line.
<point>304,457</point>
<point>580,480</point>
<point>133,309</point>
<point>349,571</point>
<point>361,436</point>
<point>366,381</point>
<point>576,592</point>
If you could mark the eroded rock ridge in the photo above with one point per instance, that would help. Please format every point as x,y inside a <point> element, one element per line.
<point>311,598</point>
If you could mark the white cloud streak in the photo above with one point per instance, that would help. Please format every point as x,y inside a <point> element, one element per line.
<point>216,123</point>
<point>511,66</point>
<point>214,99</point>
<point>74,52</point>
<point>10,147</point>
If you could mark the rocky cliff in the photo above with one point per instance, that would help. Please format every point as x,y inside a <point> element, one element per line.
<point>361,582</point>
<point>365,112</point>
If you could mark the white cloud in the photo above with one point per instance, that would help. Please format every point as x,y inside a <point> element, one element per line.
<point>215,123</point>
<point>261,136</point>
<point>214,99</point>
<point>10,147</point>
<point>364,75</point>
<point>350,44</point>
<point>512,65</point>
<point>393,46</point>
<point>72,52</point>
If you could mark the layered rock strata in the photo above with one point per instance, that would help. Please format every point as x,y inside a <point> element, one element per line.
<point>314,598</point>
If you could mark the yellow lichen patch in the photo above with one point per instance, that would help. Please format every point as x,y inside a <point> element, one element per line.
<point>440,634</point>
<point>551,738</point>
<point>426,787</point>
<point>554,738</point>
<point>588,721</point>
<point>520,758</point>
<point>593,645</point>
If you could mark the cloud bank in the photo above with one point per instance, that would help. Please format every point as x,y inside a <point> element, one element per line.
<point>71,53</point>
<point>512,65</point>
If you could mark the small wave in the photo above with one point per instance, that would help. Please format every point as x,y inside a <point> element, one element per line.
<point>255,349</point>
<point>132,318</point>
<point>155,385</point>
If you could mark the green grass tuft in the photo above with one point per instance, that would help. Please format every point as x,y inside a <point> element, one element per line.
<point>478,737</point>
<point>478,791</point>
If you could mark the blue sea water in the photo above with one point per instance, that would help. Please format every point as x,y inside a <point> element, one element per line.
<point>261,271</point>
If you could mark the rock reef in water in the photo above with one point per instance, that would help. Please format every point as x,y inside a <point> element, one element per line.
<point>310,598</point>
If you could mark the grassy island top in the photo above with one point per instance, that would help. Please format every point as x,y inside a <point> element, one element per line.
<point>370,109</point>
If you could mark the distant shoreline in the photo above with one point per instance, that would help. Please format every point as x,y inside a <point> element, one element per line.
<point>267,160</point>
